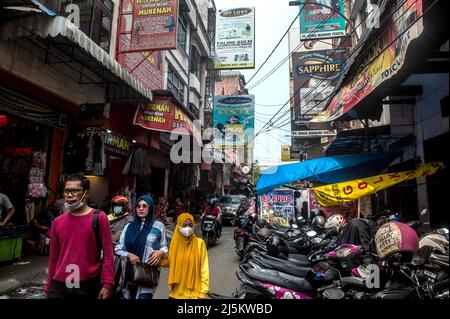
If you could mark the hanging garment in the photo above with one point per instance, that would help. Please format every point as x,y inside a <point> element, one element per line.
<point>30,211</point>
<point>89,164</point>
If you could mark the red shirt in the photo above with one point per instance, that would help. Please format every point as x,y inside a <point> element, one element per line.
<point>214,211</point>
<point>73,243</point>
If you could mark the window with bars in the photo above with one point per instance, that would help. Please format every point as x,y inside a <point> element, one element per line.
<point>175,84</point>
<point>195,62</point>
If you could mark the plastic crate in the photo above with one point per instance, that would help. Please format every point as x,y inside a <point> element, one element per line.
<point>11,248</point>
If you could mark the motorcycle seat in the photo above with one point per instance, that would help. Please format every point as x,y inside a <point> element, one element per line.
<point>354,282</point>
<point>264,255</point>
<point>285,267</point>
<point>279,279</point>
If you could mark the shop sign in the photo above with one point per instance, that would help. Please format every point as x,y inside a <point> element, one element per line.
<point>313,133</point>
<point>277,207</point>
<point>163,115</point>
<point>319,22</point>
<point>321,65</point>
<point>148,25</point>
<point>117,145</point>
<point>235,39</point>
<point>381,62</point>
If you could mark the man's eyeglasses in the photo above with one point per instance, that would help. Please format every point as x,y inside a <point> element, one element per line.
<point>142,206</point>
<point>73,191</point>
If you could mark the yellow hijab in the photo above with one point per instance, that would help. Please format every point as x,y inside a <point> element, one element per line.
<point>184,257</point>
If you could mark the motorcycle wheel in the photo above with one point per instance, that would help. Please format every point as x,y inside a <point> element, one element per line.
<point>211,240</point>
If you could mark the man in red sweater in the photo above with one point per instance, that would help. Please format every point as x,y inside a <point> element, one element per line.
<point>75,270</point>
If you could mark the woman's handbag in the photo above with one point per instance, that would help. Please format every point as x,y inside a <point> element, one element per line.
<point>146,275</point>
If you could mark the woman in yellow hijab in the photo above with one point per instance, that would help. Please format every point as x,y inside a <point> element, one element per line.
<point>187,262</point>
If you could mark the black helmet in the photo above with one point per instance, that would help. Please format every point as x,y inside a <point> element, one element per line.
<point>318,223</point>
<point>276,245</point>
<point>263,233</point>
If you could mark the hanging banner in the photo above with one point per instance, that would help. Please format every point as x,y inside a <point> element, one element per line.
<point>277,207</point>
<point>162,115</point>
<point>341,208</point>
<point>382,61</point>
<point>148,25</point>
<point>322,22</point>
<point>335,194</point>
<point>235,39</point>
<point>234,117</point>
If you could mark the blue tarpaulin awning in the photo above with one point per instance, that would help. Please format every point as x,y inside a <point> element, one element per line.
<point>325,170</point>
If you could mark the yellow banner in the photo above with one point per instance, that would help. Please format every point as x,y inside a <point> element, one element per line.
<point>336,194</point>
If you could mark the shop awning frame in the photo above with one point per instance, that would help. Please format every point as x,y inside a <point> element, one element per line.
<point>61,35</point>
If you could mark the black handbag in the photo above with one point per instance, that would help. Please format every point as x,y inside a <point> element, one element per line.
<point>146,275</point>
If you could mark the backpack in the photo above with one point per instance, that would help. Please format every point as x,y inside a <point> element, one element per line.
<point>117,261</point>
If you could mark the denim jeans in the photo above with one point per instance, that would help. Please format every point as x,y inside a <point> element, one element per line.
<point>146,296</point>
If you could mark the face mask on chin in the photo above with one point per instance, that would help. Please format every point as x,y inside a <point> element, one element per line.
<point>75,206</point>
<point>186,231</point>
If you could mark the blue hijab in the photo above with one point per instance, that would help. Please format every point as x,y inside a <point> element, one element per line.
<point>136,238</point>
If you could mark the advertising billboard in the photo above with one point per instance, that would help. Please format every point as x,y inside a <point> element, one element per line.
<point>322,20</point>
<point>235,39</point>
<point>234,117</point>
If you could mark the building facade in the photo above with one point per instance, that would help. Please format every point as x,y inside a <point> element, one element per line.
<point>69,99</point>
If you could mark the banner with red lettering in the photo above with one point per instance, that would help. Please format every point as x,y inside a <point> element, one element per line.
<point>336,194</point>
<point>277,207</point>
<point>163,115</point>
<point>149,25</point>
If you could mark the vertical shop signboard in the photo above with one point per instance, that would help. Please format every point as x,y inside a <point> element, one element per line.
<point>235,39</point>
<point>322,20</point>
<point>147,66</point>
<point>234,118</point>
<point>149,25</point>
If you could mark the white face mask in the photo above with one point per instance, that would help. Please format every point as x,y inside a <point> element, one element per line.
<point>75,206</point>
<point>117,210</point>
<point>186,231</point>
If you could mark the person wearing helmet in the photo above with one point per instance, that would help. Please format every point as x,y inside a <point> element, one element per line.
<point>214,210</point>
<point>119,215</point>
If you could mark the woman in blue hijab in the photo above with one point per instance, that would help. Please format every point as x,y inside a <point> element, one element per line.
<point>142,240</point>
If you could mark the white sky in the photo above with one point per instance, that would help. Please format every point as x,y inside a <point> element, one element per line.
<point>273,17</point>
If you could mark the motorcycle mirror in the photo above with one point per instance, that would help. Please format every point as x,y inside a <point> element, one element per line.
<point>421,255</point>
<point>294,226</point>
<point>311,233</point>
<point>423,212</point>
